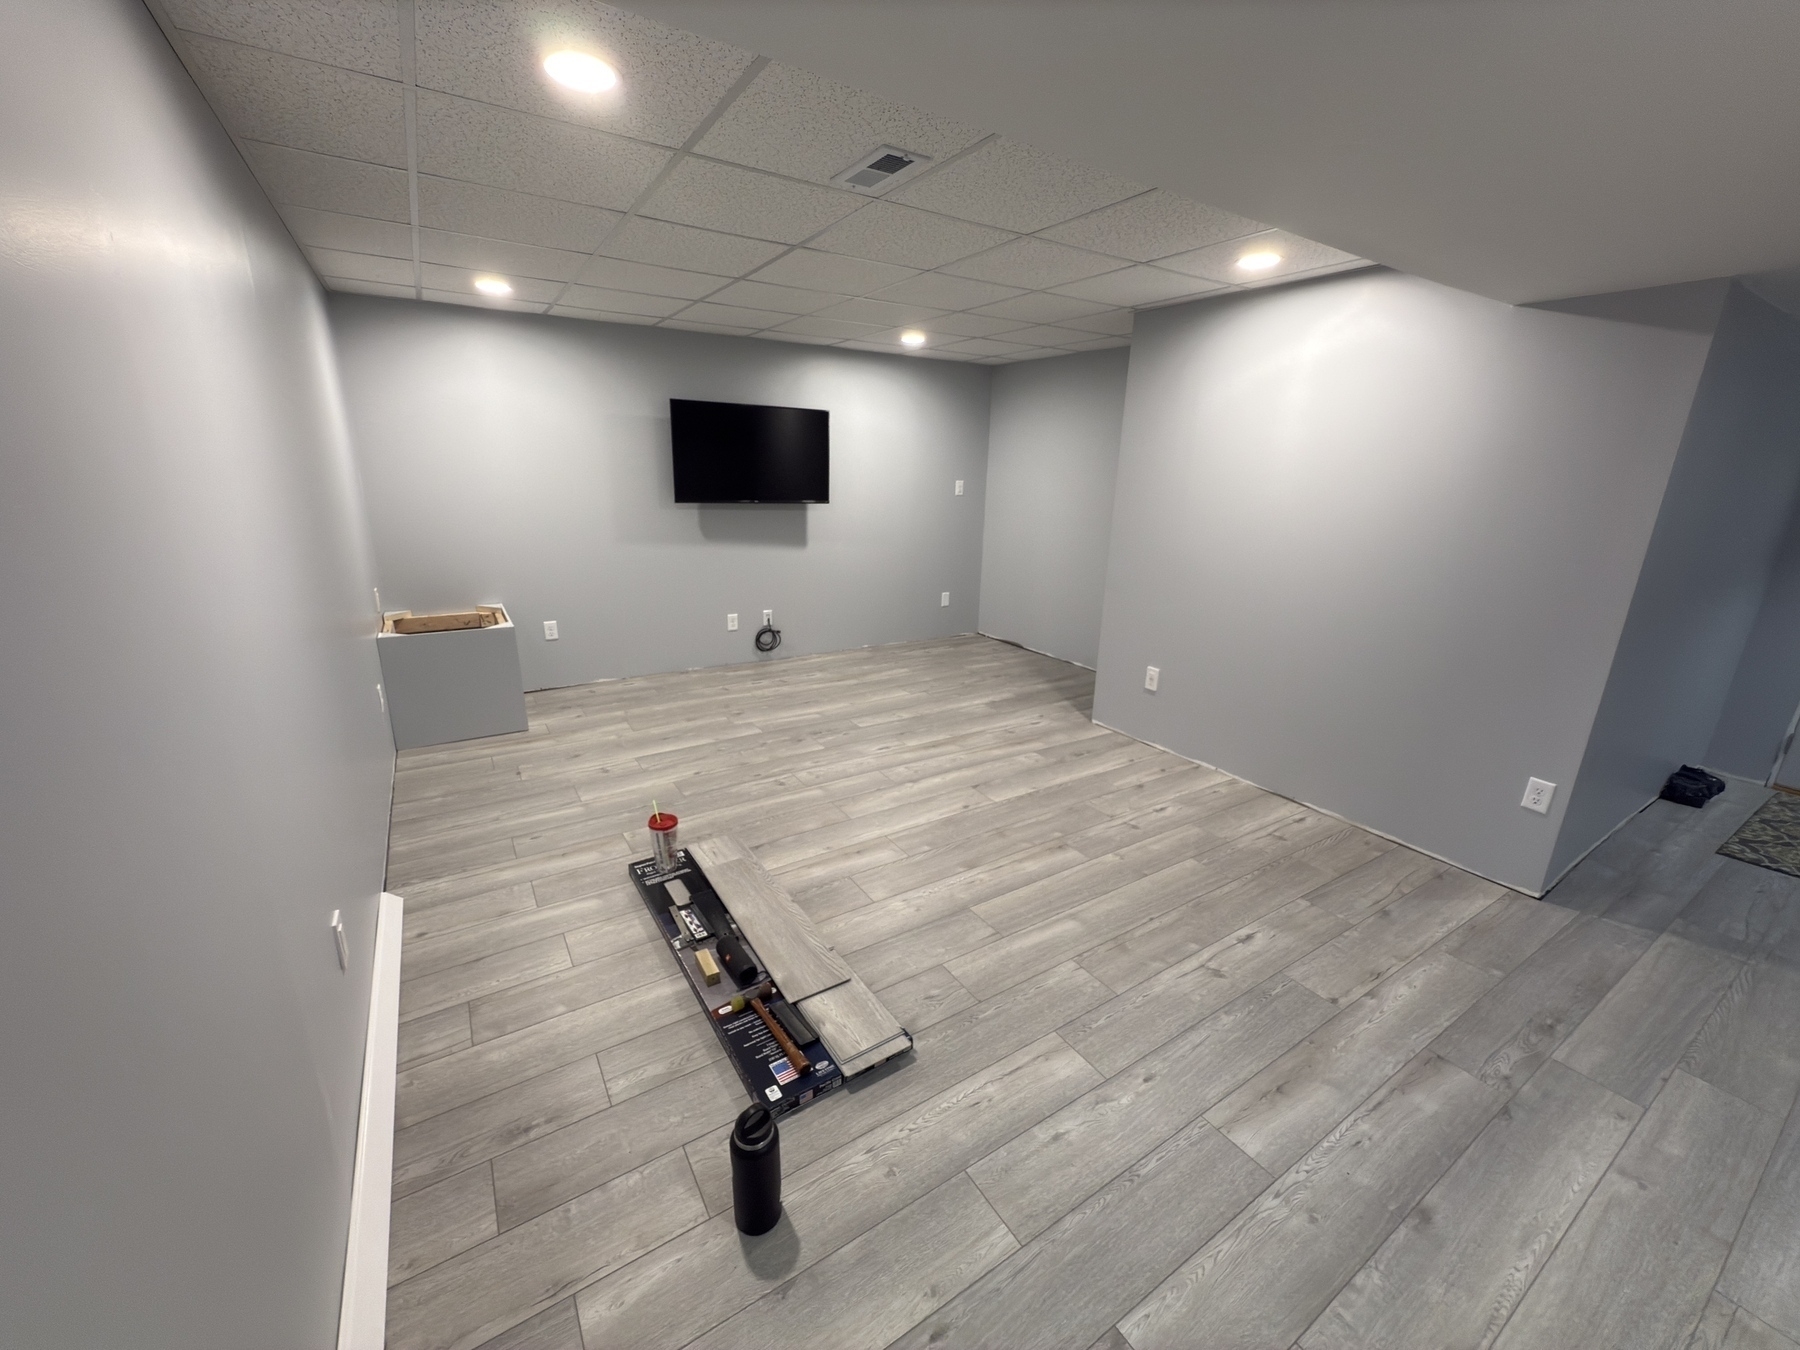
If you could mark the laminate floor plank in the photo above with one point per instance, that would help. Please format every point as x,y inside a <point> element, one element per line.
<point>785,938</point>
<point>1634,1039</point>
<point>1044,1173</point>
<point>1094,944</point>
<point>1149,1013</point>
<point>874,1287</point>
<point>690,1284</point>
<point>1072,1281</point>
<point>1274,1268</point>
<point>1281,1112</point>
<point>1518,1024</point>
<point>1660,1224</point>
<point>1454,1270</point>
<point>1763,1274</point>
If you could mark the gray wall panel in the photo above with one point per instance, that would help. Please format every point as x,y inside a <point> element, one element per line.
<point>525,460</point>
<point>1728,501</point>
<point>1053,451</point>
<point>194,765</point>
<point>1381,537</point>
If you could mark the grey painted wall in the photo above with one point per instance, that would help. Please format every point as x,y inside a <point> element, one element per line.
<point>1381,537</point>
<point>1053,451</point>
<point>194,766</point>
<point>1728,499</point>
<point>1765,688</point>
<point>525,460</point>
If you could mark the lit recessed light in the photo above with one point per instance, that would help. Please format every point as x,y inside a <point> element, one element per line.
<point>1260,261</point>
<point>579,71</point>
<point>912,337</point>
<point>493,286</point>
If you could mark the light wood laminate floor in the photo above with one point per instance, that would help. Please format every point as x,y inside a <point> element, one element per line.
<point>1196,1066</point>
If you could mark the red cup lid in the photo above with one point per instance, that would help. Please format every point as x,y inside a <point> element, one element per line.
<point>662,820</point>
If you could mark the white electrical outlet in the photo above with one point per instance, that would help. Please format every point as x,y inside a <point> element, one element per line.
<point>944,599</point>
<point>1537,795</point>
<point>1152,676</point>
<point>731,623</point>
<point>959,483</point>
<point>550,633</point>
<point>341,939</point>
<point>768,616</point>
<point>381,696</point>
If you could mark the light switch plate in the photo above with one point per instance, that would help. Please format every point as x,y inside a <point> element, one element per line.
<point>1538,795</point>
<point>944,599</point>
<point>731,623</point>
<point>959,483</point>
<point>550,634</point>
<point>1152,677</point>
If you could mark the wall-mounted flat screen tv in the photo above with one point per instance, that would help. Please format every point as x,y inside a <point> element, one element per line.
<point>745,452</point>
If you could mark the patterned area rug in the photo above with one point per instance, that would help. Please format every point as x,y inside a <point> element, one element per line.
<point>1771,837</point>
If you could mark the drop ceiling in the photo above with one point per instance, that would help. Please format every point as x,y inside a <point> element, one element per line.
<point>414,147</point>
<point>1526,150</point>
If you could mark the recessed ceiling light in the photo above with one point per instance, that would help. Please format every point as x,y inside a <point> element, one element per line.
<point>1260,261</point>
<point>912,337</point>
<point>578,70</point>
<point>493,286</point>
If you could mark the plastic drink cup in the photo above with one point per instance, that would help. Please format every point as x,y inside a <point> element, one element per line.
<point>662,840</point>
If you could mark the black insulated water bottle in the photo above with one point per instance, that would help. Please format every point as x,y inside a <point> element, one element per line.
<point>756,1171</point>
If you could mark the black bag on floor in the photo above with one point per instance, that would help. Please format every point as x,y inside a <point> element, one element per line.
<point>1691,786</point>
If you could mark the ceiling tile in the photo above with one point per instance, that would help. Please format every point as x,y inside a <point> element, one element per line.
<point>474,300</point>
<point>331,262</point>
<point>739,201</point>
<point>832,272</point>
<point>814,326</point>
<point>881,313</point>
<point>946,292</point>
<point>511,261</point>
<point>1033,263</point>
<point>736,315</point>
<point>986,347</point>
<point>1218,262</point>
<point>621,302</point>
<point>351,234</point>
<point>669,245</point>
<point>350,287</point>
<point>724,329</point>
<point>461,281</point>
<point>281,99</point>
<point>669,80</point>
<point>793,122</point>
<point>302,178</point>
<point>501,148</point>
<point>1041,307</point>
<point>647,280</point>
<point>890,232</point>
<point>787,299</point>
<point>1047,335</point>
<point>495,213</point>
<point>1153,225</point>
<point>782,335</point>
<point>1138,285</point>
<point>1112,322</point>
<point>1015,187</point>
<point>350,33</point>
<point>600,315</point>
<point>1098,344</point>
<point>1344,264</point>
<point>972,325</point>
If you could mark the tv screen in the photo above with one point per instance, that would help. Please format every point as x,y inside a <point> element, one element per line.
<point>744,452</point>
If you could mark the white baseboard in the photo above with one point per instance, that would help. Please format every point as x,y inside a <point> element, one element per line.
<point>362,1317</point>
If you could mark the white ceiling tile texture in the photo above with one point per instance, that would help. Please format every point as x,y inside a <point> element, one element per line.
<point>696,195</point>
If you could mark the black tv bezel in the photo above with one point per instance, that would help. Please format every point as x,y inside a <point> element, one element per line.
<point>824,413</point>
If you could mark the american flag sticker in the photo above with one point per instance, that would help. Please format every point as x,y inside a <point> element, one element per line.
<point>784,1072</point>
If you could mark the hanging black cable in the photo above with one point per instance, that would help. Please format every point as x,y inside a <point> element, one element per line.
<point>768,638</point>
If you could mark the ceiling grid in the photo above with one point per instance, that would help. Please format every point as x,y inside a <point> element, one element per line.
<point>698,195</point>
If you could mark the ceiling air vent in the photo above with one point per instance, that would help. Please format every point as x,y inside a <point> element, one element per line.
<point>880,169</point>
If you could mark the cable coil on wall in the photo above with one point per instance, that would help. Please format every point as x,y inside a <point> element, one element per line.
<point>768,638</point>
